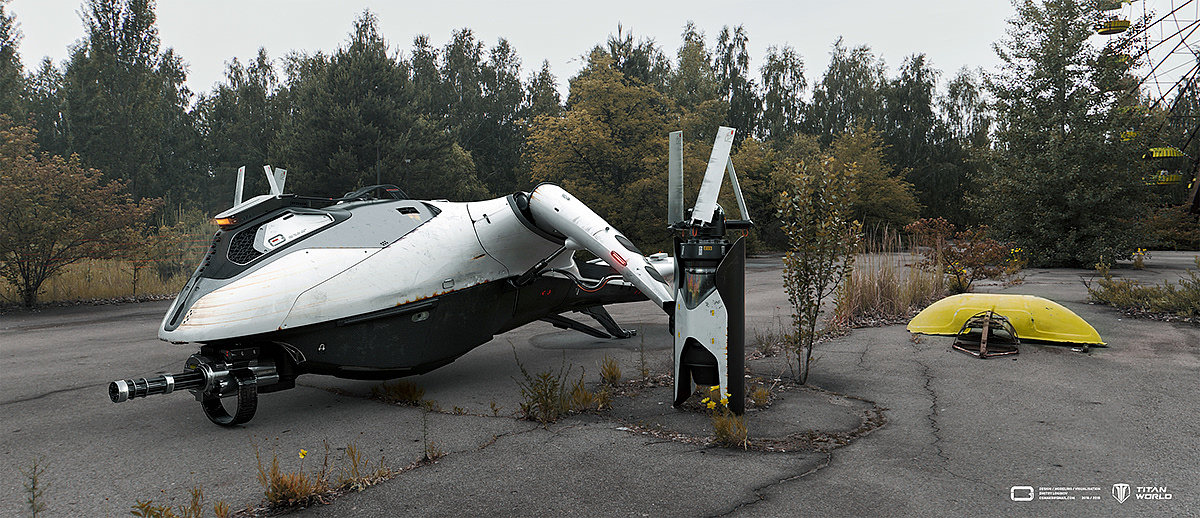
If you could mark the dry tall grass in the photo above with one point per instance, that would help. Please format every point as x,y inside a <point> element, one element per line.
<point>158,266</point>
<point>886,286</point>
<point>100,279</point>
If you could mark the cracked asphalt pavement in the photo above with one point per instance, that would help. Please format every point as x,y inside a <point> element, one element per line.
<point>957,433</point>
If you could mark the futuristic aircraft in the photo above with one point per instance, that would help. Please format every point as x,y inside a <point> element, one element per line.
<point>373,285</point>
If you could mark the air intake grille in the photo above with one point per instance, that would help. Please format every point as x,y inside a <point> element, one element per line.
<point>241,247</point>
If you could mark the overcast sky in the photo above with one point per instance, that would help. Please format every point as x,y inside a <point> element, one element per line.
<point>953,33</point>
<point>207,33</point>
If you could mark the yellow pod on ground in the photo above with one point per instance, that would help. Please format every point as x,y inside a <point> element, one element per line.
<point>1033,318</point>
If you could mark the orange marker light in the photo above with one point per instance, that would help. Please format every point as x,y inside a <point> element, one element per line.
<point>226,222</point>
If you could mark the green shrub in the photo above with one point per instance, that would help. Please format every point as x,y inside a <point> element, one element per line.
<point>816,214</point>
<point>1181,299</point>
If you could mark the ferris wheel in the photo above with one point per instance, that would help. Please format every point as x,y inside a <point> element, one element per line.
<point>1162,38</point>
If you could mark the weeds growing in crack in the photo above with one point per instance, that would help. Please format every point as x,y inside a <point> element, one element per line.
<point>433,450</point>
<point>548,396</point>
<point>400,392</point>
<point>642,369</point>
<point>193,509</point>
<point>610,371</point>
<point>35,487</point>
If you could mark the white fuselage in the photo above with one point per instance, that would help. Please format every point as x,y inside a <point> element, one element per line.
<point>465,245</point>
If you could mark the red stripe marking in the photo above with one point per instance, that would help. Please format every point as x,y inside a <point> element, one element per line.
<point>617,257</point>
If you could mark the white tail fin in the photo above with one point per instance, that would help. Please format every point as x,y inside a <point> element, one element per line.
<point>737,192</point>
<point>237,190</point>
<point>675,178</point>
<point>710,188</point>
<point>280,178</point>
<point>275,190</point>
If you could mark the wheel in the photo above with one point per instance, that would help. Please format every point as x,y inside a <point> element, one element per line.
<point>247,402</point>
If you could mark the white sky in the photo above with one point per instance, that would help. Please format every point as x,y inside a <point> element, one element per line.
<point>207,33</point>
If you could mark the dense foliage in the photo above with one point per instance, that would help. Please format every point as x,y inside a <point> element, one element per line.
<point>55,212</point>
<point>1061,184</point>
<point>1032,151</point>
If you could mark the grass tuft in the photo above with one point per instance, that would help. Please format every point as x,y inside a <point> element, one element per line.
<point>730,429</point>
<point>610,371</point>
<point>547,396</point>
<point>193,509</point>
<point>356,474</point>
<point>760,397</point>
<point>433,451</point>
<point>544,396</point>
<point>289,489</point>
<point>581,397</point>
<point>400,392</point>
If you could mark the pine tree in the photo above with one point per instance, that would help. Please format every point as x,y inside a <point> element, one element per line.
<point>12,80</point>
<point>783,87</point>
<point>848,94</point>
<point>354,122</point>
<point>122,91</point>
<point>1061,184</point>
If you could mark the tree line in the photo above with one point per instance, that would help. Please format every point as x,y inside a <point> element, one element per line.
<point>1030,149</point>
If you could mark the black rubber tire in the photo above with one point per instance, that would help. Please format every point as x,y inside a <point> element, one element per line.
<point>247,402</point>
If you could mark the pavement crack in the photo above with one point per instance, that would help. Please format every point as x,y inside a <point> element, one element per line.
<point>40,396</point>
<point>498,436</point>
<point>760,491</point>
<point>932,416</point>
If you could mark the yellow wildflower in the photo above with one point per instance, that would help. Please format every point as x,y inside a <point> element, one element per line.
<point>712,405</point>
<point>303,452</point>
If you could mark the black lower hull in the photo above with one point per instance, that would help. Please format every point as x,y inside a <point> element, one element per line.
<point>421,336</point>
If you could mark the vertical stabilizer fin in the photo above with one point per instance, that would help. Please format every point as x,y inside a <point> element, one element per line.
<point>710,188</point>
<point>675,178</point>
<point>281,178</point>
<point>271,180</point>
<point>737,192</point>
<point>237,188</point>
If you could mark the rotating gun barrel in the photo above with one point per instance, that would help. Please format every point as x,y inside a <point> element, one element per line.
<point>239,372</point>
<point>124,390</point>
